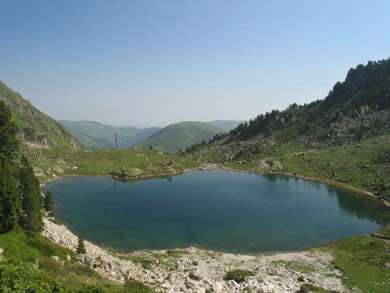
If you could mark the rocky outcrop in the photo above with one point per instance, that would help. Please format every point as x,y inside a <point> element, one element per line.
<point>339,129</point>
<point>196,270</point>
<point>164,169</point>
<point>30,136</point>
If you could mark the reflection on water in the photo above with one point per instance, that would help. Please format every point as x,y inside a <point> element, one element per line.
<point>218,210</point>
<point>353,204</point>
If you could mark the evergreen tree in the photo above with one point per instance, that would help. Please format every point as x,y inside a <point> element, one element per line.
<point>49,202</point>
<point>9,199</point>
<point>8,131</point>
<point>31,205</point>
<point>81,246</point>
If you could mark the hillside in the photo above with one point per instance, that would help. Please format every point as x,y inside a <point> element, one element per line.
<point>181,135</point>
<point>343,138</point>
<point>354,109</point>
<point>36,128</point>
<point>96,135</point>
<point>224,124</point>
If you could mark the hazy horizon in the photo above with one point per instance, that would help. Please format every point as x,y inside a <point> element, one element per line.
<point>153,63</point>
<point>147,126</point>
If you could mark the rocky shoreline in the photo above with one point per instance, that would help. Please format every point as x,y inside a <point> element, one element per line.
<point>197,270</point>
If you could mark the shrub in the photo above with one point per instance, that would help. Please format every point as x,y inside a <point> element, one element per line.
<point>81,246</point>
<point>238,275</point>
<point>23,277</point>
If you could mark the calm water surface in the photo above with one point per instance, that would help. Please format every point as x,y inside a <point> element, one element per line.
<point>218,210</point>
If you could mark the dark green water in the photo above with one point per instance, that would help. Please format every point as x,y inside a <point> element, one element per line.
<point>218,210</point>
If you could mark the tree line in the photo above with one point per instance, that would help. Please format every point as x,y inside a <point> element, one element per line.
<point>21,200</point>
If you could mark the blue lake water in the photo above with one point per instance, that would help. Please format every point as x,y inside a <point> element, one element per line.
<point>226,211</point>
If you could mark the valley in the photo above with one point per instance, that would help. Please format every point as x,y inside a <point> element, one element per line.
<point>194,146</point>
<point>342,141</point>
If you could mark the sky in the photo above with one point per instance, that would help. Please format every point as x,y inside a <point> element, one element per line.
<point>156,62</point>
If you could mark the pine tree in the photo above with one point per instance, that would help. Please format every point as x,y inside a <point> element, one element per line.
<point>31,205</point>
<point>81,246</point>
<point>49,202</point>
<point>8,131</point>
<point>9,199</point>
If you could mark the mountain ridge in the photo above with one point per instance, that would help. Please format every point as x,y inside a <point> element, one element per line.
<point>349,112</point>
<point>35,127</point>
<point>95,135</point>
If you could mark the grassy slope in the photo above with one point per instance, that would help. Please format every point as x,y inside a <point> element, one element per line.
<point>28,263</point>
<point>27,116</point>
<point>181,135</point>
<point>363,165</point>
<point>102,162</point>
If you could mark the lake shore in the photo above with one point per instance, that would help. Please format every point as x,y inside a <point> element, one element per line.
<point>195,270</point>
<point>211,167</point>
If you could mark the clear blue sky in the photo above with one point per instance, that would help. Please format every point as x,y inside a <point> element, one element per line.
<point>154,62</point>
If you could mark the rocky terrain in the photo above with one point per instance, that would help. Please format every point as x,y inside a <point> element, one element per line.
<point>196,270</point>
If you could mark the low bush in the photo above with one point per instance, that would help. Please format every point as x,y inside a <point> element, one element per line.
<point>238,275</point>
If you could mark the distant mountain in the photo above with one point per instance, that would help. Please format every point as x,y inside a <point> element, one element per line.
<point>225,124</point>
<point>181,135</point>
<point>96,135</point>
<point>36,128</point>
<point>141,135</point>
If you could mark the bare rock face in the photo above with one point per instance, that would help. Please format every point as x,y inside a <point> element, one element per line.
<point>29,135</point>
<point>196,270</point>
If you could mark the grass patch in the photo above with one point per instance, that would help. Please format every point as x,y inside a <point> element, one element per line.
<point>309,288</point>
<point>145,261</point>
<point>364,261</point>
<point>237,275</point>
<point>30,248</point>
<point>137,287</point>
<point>383,233</point>
<point>297,266</point>
<point>166,259</point>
